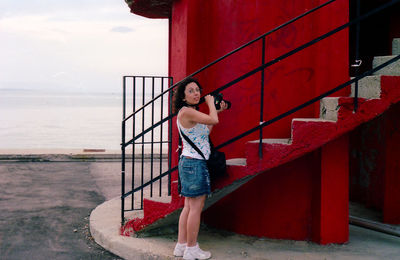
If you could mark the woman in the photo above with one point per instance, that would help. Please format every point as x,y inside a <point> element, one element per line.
<point>193,173</point>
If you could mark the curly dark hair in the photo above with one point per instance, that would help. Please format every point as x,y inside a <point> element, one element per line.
<point>179,93</point>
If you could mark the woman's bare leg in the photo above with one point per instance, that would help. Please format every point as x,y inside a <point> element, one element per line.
<point>182,231</point>
<point>193,219</point>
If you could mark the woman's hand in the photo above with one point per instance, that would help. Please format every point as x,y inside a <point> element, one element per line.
<point>223,106</point>
<point>209,100</point>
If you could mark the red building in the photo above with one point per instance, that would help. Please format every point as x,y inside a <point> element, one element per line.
<point>315,160</point>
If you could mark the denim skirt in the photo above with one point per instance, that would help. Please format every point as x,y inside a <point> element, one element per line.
<point>194,177</point>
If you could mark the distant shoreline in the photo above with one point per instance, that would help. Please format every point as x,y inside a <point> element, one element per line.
<point>65,155</point>
<point>57,151</point>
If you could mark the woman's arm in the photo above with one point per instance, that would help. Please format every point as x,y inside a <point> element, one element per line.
<point>192,116</point>
<point>223,107</point>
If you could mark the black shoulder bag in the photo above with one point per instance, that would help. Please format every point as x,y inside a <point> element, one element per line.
<point>216,164</point>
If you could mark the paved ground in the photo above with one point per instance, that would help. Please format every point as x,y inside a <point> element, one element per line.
<point>45,208</point>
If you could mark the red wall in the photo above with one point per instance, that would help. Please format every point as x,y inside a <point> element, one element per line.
<point>202,31</point>
<point>279,208</point>
<point>366,171</point>
<point>304,199</point>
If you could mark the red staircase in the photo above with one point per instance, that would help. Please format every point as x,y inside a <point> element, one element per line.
<point>306,176</point>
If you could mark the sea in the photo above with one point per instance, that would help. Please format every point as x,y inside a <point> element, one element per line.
<point>34,119</point>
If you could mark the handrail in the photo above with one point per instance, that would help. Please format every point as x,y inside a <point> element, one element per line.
<point>311,101</point>
<point>282,57</point>
<point>233,52</point>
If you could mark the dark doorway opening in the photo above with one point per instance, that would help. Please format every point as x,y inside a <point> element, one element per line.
<point>376,32</point>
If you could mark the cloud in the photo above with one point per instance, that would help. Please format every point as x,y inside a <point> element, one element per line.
<point>121,29</point>
<point>59,74</point>
<point>77,47</point>
<point>40,7</point>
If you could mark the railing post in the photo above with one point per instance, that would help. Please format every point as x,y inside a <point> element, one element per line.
<point>357,60</point>
<point>152,137</point>
<point>161,133</point>
<point>123,152</point>
<point>123,175</point>
<point>170,79</point>
<point>134,143</point>
<point>260,153</point>
<point>142,161</point>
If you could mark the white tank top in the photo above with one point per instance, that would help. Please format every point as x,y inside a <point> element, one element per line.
<point>199,136</point>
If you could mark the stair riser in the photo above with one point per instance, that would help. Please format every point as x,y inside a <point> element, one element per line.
<point>329,108</point>
<point>368,87</point>
<point>396,46</point>
<point>307,134</point>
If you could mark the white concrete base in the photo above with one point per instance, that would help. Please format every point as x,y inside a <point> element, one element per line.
<point>105,222</point>
<point>104,226</point>
<point>364,243</point>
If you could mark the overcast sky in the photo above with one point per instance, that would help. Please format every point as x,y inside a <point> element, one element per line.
<point>77,45</point>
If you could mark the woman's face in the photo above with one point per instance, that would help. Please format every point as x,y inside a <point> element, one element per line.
<point>192,94</point>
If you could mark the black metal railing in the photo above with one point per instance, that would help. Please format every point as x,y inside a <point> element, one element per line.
<point>259,69</point>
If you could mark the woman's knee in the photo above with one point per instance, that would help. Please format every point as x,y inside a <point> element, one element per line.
<point>196,203</point>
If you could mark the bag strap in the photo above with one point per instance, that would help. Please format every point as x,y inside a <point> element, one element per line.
<point>192,144</point>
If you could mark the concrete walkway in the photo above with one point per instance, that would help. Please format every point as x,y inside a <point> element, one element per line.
<point>363,244</point>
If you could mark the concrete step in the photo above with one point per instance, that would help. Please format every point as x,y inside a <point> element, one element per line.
<point>312,120</point>
<point>396,46</point>
<point>166,199</point>
<point>236,162</point>
<point>390,70</point>
<point>328,108</point>
<point>273,141</point>
<point>368,87</point>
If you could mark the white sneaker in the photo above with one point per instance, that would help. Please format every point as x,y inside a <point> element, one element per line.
<point>179,249</point>
<point>193,253</point>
